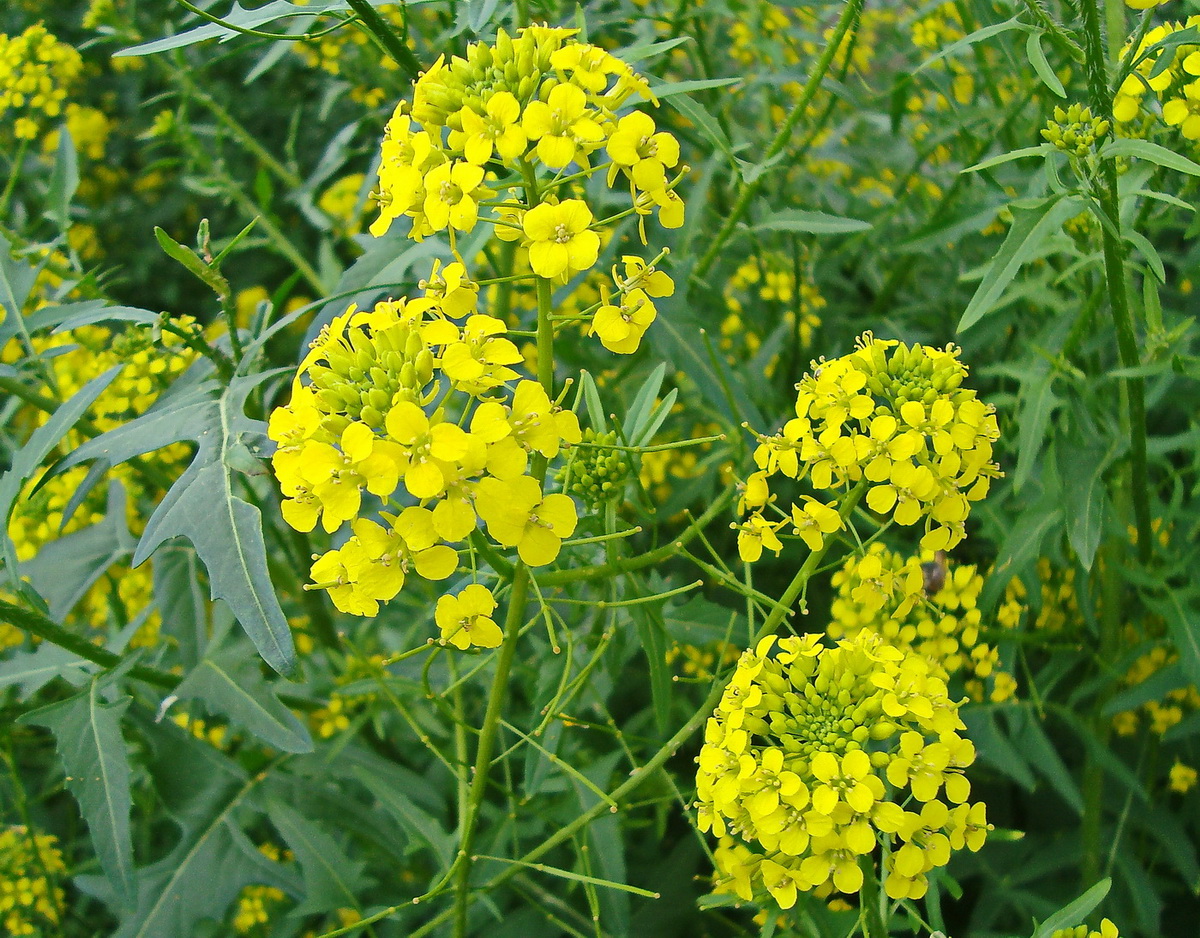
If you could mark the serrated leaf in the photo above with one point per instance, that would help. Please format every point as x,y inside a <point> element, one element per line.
<point>33,670</point>
<point>795,219</point>
<point>213,860</point>
<point>331,879</point>
<point>93,752</point>
<point>29,457</point>
<point>1075,912</point>
<point>202,506</point>
<point>704,122</point>
<point>230,684</point>
<point>421,825</point>
<point>1031,227</point>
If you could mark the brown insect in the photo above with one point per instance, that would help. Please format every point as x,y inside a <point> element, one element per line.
<point>934,572</point>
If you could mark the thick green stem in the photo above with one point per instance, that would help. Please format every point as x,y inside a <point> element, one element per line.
<point>845,23</point>
<point>1114,273</point>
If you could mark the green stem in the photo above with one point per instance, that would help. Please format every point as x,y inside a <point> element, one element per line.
<point>1114,273</point>
<point>845,23</point>
<point>394,45</point>
<point>870,910</point>
<point>14,174</point>
<point>487,744</point>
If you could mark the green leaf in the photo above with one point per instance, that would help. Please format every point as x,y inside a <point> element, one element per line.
<point>648,50</point>
<point>1037,404</point>
<point>238,16</point>
<point>704,122</point>
<point>202,505</point>
<point>1028,735</point>
<point>995,748</point>
<point>794,219</point>
<point>643,403</point>
<point>200,878</point>
<point>969,40</point>
<point>16,281</point>
<point>179,595</point>
<point>591,400</point>
<point>421,826</point>
<point>1183,625</point>
<point>93,753</point>
<point>652,634</point>
<point>1131,147</point>
<point>1075,912</point>
<point>64,181</point>
<point>1081,467</point>
<point>1037,58</point>
<point>331,879</point>
<point>192,261</point>
<point>1032,226</point>
<point>1022,153</point>
<point>1148,251</point>
<point>65,568</point>
<point>32,670</point>
<point>1155,687</point>
<point>29,457</point>
<point>231,684</point>
<point>669,89</point>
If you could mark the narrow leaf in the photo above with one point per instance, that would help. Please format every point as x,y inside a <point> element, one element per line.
<point>704,121</point>
<point>1075,912</point>
<point>811,223</point>
<point>1037,58</point>
<point>1152,152</point>
<point>1183,625</point>
<point>331,879</point>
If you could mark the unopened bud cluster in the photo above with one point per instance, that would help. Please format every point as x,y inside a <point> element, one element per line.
<point>1075,131</point>
<point>596,473</point>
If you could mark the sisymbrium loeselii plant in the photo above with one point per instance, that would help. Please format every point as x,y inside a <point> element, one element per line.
<point>629,468</point>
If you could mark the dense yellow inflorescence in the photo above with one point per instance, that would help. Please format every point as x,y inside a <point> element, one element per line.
<point>1175,88</point>
<point>893,418</point>
<point>30,903</point>
<point>36,74</point>
<point>923,605</point>
<point>810,758</point>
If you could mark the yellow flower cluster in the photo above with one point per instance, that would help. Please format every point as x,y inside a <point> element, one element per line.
<point>811,756</point>
<point>1182,778</point>
<point>257,904</point>
<point>1161,714</point>
<point>540,100</point>
<point>895,418</point>
<point>1177,87</point>
<point>923,605</point>
<point>769,280</point>
<point>375,414</point>
<point>36,74</point>
<point>30,904</point>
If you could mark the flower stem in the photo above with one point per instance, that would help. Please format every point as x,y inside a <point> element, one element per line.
<point>870,910</point>
<point>393,44</point>
<point>845,23</point>
<point>1114,273</point>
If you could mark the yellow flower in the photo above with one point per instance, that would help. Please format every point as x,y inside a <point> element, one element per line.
<point>621,328</point>
<point>465,619</point>
<point>1183,778</point>
<point>428,445</point>
<point>452,194</point>
<point>498,128</point>
<point>1184,112</point>
<point>814,521</point>
<point>335,479</point>
<point>561,243</point>
<point>563,126</point>
<point>755,533</point>
<point>518,515</point>
<point>645,156</point>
